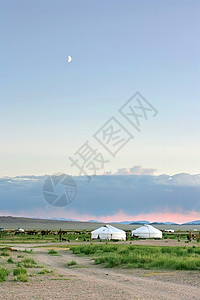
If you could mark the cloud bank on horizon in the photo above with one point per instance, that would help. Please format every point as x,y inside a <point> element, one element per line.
<point>137,194</point>
<point>135,170</point>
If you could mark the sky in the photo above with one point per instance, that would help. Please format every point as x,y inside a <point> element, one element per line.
<point>50,108</point>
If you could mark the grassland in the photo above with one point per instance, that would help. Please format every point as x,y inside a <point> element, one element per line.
<point>160,269</point>
<point>147,257</point>
<point>124,255</point>
<point>8,237</point>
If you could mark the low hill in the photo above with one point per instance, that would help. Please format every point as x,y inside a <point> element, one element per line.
<point>32,223</point>
<point>8,222</point>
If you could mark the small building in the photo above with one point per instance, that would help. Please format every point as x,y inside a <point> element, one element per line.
<point>147,232</point>
<point>108,232</point>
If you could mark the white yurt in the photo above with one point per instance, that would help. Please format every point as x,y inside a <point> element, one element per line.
<point>147,232</point>
<point>108,232</point>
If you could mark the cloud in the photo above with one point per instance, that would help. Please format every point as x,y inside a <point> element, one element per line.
<point>106,196</point>
<point>135,170</point>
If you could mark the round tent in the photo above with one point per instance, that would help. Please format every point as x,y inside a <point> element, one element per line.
<point>147,232</point>
<point>108,232</point>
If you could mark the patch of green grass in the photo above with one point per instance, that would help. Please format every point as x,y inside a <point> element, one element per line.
<point>72,263</point>
<point>147,257</point>
<point>19,271</point>
<point>53,252</point>
<point>23,278</point>
<point>20,274</point>
<point>28,251</point>
<point>10,260</point>
<point>45,271</point>
<point>80,267</point>
<point>3,274</point>
<point>4,252</point>
<point>93,249</point>
<point>4,249</point>
<point>27,262</point>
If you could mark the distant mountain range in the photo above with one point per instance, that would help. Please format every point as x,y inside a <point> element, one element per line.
<point>133,222</point>
<point>197,222</point>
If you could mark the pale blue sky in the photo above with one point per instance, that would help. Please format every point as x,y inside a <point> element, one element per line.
<point>49,107</point>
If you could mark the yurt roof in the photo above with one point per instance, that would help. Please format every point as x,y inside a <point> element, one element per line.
<point>108,228</point>
<point>146,228</point>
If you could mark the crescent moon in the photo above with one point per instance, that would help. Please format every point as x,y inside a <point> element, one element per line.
<point>69,59</point>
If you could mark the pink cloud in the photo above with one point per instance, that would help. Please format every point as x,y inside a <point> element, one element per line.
<point>152,217</point>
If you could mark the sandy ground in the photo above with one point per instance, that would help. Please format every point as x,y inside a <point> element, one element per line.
<point>87,281</point>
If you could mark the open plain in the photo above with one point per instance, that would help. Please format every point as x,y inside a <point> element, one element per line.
<point>57,273</point>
